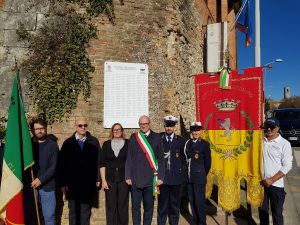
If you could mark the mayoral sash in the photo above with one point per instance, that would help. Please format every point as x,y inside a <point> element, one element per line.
<point>147,149</point>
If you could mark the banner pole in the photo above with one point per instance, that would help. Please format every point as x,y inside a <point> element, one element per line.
<point>35,199</point>
<point>226,218</point>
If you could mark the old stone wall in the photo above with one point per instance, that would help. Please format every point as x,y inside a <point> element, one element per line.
<point>12,51</point>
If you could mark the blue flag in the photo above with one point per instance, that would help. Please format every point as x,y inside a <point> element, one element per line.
<point>244,22</point>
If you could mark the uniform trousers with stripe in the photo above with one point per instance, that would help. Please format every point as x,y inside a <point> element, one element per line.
<point>197,200</point>
<point>169,204</point>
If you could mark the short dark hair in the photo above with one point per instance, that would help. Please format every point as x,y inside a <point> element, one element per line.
<point>40,121</point>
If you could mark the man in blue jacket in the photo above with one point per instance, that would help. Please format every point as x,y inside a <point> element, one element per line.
<point>144,170</point>
<point>45,157</point>
<point>169,198</point>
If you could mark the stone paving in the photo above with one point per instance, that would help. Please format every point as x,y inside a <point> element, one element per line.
<point>215,215</point>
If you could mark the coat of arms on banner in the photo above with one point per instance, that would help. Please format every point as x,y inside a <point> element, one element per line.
<point>231,119</point>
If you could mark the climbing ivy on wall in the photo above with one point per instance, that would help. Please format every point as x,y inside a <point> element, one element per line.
<point>58,66</point>
<point>2,127</point>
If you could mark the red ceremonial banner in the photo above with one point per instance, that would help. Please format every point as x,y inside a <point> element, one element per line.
<point>231,117</point>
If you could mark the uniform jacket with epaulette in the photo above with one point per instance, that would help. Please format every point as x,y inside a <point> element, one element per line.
<point>199,160</point>
<point>175,161</point>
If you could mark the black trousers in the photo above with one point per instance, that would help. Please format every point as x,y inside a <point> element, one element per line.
<point>116,201</point>
<point>275,196</point>
<point>168,204</point>
<point>79,213</point>
<point>196,194</point>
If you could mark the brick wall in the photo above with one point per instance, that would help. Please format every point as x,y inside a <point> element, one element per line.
<point>165,34</point>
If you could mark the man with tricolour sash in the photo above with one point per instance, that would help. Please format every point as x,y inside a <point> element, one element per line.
<point>144,170</point>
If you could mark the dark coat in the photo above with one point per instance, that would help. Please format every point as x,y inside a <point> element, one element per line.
<point>137,167</point>
<point>199,157</point>
<point>114,166</point>
<point>79,168</point>
<point>175,164</point>
<point>45,163</point>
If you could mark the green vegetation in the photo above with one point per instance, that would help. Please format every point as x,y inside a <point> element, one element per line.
<point>2,127</point>
<point>58,65</point>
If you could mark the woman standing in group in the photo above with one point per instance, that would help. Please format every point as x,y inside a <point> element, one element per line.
<point>112,170</point>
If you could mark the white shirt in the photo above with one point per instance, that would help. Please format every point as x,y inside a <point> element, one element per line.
<point>77,138</point>
<point>277,156</point>
<point>171,137</point>
<point>147,133</point>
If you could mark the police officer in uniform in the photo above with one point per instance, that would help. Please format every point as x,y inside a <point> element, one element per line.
<point>198,156</point>
<point>169,198</point>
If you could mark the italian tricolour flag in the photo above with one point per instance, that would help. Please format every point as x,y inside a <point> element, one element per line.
<point>17,158</point>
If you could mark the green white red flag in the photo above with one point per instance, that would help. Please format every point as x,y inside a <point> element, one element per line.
<point>17,158</point>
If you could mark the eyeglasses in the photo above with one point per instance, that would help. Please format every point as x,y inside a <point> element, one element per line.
<point>143,124</point>
<point>116,130</point>
<point>42,128</point>
<point>81,125</point>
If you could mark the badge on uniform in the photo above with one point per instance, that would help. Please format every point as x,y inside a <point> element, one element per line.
<point>196,155</point>
<point>177,154</point>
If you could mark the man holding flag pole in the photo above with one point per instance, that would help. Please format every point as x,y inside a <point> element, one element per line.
<point>17,159</point>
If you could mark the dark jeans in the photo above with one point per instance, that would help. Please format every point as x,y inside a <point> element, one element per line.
<point>275,196</point>
<point>79,213</point>
<point>168,204</point>
<point>137,194</point>
<point>116,200</point>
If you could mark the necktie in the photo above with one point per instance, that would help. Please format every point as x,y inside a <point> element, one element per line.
<point>169,139</point>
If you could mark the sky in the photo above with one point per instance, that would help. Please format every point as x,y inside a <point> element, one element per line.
<point>279,39</point>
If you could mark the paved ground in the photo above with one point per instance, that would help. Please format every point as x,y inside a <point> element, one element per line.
<point>217,217</point>
<point>291,206</point>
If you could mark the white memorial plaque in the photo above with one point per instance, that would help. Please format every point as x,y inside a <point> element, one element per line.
<point>125,93</point>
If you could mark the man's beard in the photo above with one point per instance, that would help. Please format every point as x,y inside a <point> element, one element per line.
<point>169,133</point>
<point>40,138</point>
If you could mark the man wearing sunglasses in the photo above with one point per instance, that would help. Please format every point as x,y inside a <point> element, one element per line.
<point>169,198</point>
<point>79,173</point>
<point>277,162</point>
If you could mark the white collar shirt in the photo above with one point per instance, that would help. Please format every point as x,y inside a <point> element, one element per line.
<point>77,138</point>
<point>171,137</point>
<point>147,133</point>
<point>277,156</point>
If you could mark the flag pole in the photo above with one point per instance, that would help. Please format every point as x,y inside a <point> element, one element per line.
<point>35,199</point>
<point>257,33</point>
<point>31,169</point>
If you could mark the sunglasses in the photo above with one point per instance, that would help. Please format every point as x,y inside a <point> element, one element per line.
<point>82,125</point>
<point>271,127</point>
